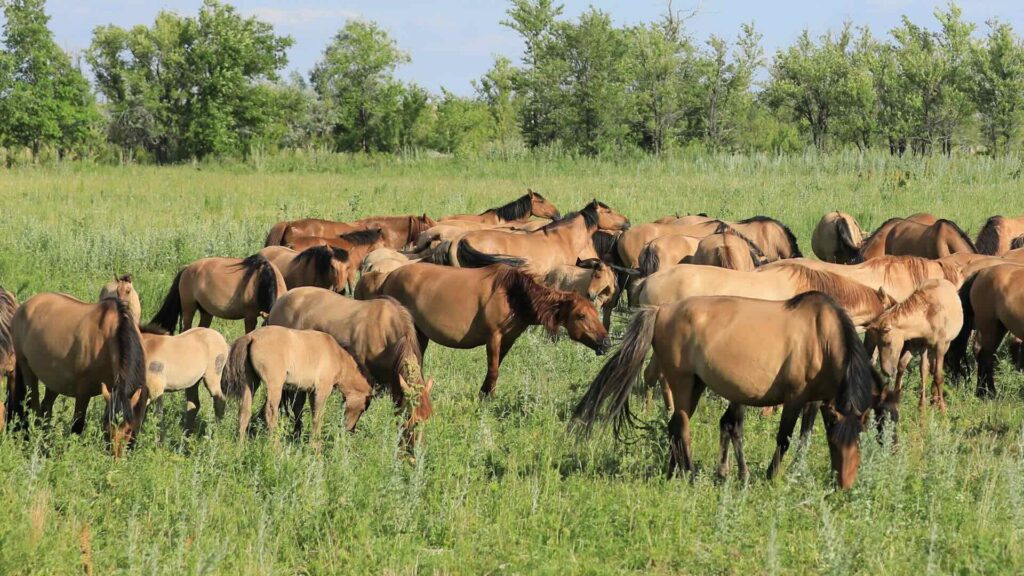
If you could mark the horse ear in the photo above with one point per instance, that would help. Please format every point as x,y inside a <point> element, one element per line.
<point>126,278</point>
<point>884,296</point>
<point>579,262</point>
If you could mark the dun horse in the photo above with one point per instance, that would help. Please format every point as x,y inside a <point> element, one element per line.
<point>592,279</point>
<point>228,288</point>
<point>467,308</point>
<point>899,276</point>
<point>805,350</point>
<point>996,236</point>
<point>900,237</point>
<point>516,211</point>
<point>8,304</point>
<point>774,238</point>
<point>306,361</point>
<point>398,231</point>
<point>632,242</point>
<point>320,266</point>
<point>666,251</point>
<point>837,238</point>
<point>175,363</point>
<point>728,249</point>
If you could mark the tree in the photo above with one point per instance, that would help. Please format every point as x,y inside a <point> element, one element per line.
<point>544,68</point>
<point>44,100</point>
<point>725,83</point>
<point>356,78</point>
<point>998,84</point>
<point>497,91</point>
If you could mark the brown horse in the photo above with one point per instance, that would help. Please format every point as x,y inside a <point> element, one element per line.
<point>229,288</point>
<point>899,276</point>
<point>666,251</point>
<point>996,236</point>
<point>728,249</point>
<point>752,353</point>
<point>379,333</point>
<point>900,237</point>
<point>925,323</point>
<point>516,211</point>
<point>837,238</point>
<point>280,232</point>
<point>81,350</point>
<point>8,304</point>
<point>320,266</point>
<point>682,281</point>
<point>398,231</point>
<point>993,304</point>
<point>307,361</point>
<point>592,279</point>
<point>632,242</point>
<point>774,238</point>
<point>175,363</point>
<point>471,307</point>
<point>357,244</point>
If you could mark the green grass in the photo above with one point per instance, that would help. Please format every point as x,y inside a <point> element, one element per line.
<point>498,486</point>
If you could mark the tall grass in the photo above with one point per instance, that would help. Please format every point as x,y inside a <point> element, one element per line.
<point>497,486</point>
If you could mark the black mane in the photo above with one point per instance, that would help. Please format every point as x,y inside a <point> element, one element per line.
<point>514,210</point>
<point>363,237</point>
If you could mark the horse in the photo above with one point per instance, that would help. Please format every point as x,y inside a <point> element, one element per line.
<point>862,303</point>
<point>684,220</point>
<point>308,361</point>
<point>81,350</point>
<point>996,237</point>
<point>228,288</point>
<point>122,288</point>
<point>8,304</point>
<point>752,353</point>
<point>728,249</point>
<point>775,239</point>
<point>837,238</point>
<point>308,227</point>
<point>925,323</point>
<point>899,276</point>
<point>632,242</point>
<point>910,238</point>
<point>384,259</point>
<point>320,266</point>
<point>992,306</point>
<point>592,279</point>
<point>379,333</point>
<point>175,363</point>
<point>516,211</point>
<point>665,251</point>
<point>357,244</point>
<point>398,231</point>
<point>470,307</point>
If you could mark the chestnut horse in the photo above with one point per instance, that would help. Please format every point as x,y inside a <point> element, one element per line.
<point>996,236</point>
<point>516,211</point>
<point>8,304</point>
<point>751,352</point>
<point>900,237</point>
<point>398,231</point>
<point>471,307</point>
<point>837,238</point>
<point>320,266</point>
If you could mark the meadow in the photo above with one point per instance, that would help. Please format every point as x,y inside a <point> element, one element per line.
<point>498,486</point>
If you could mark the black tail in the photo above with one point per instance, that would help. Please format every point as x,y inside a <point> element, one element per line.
<point>266,280</point>
<point>988,237</point>
<point>169,314</point>
<point>650,261</point>
<point>131,364</point>
<point>239,373</point>
<point>441,254</point>
<point>616,378</point>
<point>470,257</point>
<point>848,248</point>
<point>956,356</point>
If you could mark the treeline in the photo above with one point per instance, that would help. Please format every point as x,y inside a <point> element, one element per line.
<point>189,87</point>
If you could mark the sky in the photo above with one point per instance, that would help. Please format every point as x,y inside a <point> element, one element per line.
<point>453,42</point>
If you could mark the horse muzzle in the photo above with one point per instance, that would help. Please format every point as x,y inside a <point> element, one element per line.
<point>603,347</point>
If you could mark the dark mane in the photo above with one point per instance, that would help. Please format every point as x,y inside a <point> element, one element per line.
<point>988,236</point>
<point>914,303</point>
<point>794,248</point>
<point>848,248</point>
<point>963,235</point>
<point>266,280</point>
<point>589,214</point>
<point>321,259</point>
<point>8,305</point>
<point>756,254</point>
<point>533,303</point>
<point>363,237</point>
<point>1017,243</point>
<point>604,243</point>
<point>152,328</point>
<point>515,210</point>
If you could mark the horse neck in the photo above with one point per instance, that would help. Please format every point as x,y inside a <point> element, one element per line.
<point>575,235</point>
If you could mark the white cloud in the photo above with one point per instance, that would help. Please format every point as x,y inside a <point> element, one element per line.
<point>302,16</point>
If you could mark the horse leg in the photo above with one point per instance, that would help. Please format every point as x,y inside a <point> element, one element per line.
<point>316,407</point>
<point>244,412</point>
<point>81,407</point>
<point>938,379</point>
<point>790,412</point>
<point>191,409</point>
<point>188,313</point>
<point>46,408</point>
<point>988,339</point>
<point>493,363</point>
<point>652,374</point>
<point>685,398</point>
<point>298,402</point>
<point>807,419</point>
<point>901,369</point>
<point>271,410</point>
<point>423,341</point>
<point>730,429</point>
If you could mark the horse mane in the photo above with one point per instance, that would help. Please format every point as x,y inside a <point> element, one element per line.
<point>514,210</point>
<point>360,365</point>
<point>1017,242</point>
<point>756,254</point>
<point>532,302</point>
<point>604,243</point>
<point>153,328</point>
<point>363,237</point>
<point>838,288</point>
<point>956,227</point>
<point>266,281</point>
<point>321,258</point>
<point>419,225</point>
<point>589,214</point>
<point>131,366</point>
<point>988,236</point>
<point>914,303</point>
<point>848,247</point>
<point>794,248</point>
<point>8,305</point>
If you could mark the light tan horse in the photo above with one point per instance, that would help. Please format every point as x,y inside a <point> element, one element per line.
<point>228,288</point>
<point>728,249</point>
<point>993,304</point>
<point>471,307</point>
<point>666,251</point>
<point>996,236</point>
<point>774,238</point>
<point>122,288</point>
<point>592,279</point>
<point>837,238</point>
<point>926,324</point>
<point>306,361</point>
<point>632,242</point>
<point>516,211</point>
<point>379,333</point>
<point>384,259</point>
<point>8,304</point>
<point>899,276</point>
<point>320,266</point>
<point>900,237</point>
<point>752,353</point>
<point>682,281</point>
<point>175,363</point>
<point>81,350</point>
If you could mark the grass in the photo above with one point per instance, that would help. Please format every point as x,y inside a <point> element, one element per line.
<point>498,486</point>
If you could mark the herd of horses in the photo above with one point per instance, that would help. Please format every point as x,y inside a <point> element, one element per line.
<point>733,307</point>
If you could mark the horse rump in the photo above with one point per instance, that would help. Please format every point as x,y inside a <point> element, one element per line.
<point>239,373</point>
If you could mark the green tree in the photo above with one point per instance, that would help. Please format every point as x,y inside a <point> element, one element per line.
<point>544,69</point>
<point>497,90</point>
<point>998,84</point>
<point>725,82</point>
<point>44,99</point>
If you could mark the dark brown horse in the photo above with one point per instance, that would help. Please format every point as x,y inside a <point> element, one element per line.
<point>906,237</point>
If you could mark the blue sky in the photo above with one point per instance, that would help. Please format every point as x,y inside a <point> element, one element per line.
<point>452,42</point>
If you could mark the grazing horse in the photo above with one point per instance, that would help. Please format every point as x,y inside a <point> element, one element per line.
<point>924,323</point>
<point>837,238</point>
<point>280,232</point>
<point>728,249</point>
<point>175,363</point>
<point>516,211</point>
<point>900,237</point>
<point>899,276</point>
<point>774,238</point>
<point>997,235</point>
<point>632,242</point>
<point>993,304</point>
<point>307,361</point>
<point>470,307</point>
<point>320,266</point>
<point>665,251</point>
<point>592,279</point>
<point>81,350</point>
<point>682,281</point>
<point>8,304</point>
<point>229,288</point>
<point>379,333</point>
<point>752,353</point>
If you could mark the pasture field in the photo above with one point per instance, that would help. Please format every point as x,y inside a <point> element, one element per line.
<point>498,487</point>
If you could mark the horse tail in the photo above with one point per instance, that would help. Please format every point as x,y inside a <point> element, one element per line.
<point>635,290</point>
<point>131,363</point>
<point>988,236</point>
<point>441,254</point>
<point>650,261</point>
<point>956,356</point>
<point>608,395</point>
<point>848,248</point>
<point>170,311</point>
<point>276,235</point>
<point>239,373</point>
<point>470,257</point>
<point>266,281</point>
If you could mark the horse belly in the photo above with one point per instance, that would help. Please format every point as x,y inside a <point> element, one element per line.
<point>743,365</point>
